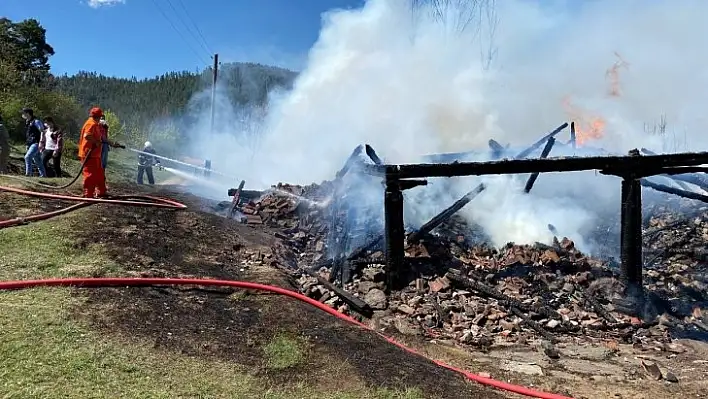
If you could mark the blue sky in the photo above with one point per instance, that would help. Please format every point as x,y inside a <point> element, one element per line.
<point>134,38</point>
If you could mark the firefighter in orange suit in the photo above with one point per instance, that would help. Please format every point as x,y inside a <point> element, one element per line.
<point>90,144</point>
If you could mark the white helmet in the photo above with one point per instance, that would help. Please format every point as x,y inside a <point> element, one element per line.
<point>148,144</point>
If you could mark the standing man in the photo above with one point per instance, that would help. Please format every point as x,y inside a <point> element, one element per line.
<point>106,146</point>
<point>106,143</point>
<point>34,131</point>
<point>51,146</point>
<point>146,162</point>
<point>90,144</point>
<point>4,147</point>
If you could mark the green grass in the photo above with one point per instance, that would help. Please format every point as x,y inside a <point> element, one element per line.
<point>48,249</point>
<point>284,352</point>
<point>47,351</point>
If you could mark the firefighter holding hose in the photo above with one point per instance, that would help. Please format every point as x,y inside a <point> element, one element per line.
<point>146,162</point>
<point>90,150</point>
<point>90,155</point>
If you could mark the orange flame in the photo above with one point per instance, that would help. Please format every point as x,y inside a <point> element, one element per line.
<point>612,75</point>
<point>586,127</point>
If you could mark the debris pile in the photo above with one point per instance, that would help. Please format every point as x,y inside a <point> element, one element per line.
<point>287,206</point>
<point>476,295</point>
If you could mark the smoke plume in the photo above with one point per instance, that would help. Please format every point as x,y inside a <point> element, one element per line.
<point>420,77</point>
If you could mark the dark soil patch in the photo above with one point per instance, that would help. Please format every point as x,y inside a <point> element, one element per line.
<point>233,325</point>
<point>14,205</point>
<point>169,242</point>
<point>238,327</point>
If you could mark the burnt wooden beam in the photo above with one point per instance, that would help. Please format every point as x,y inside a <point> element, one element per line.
<point>533,147</point>
<point>441,217</point>
<point>350,162</point>
<point>674,191</point>
<point>544,154</point>
<point>356,304</point>
<point>372,155</point>
<point>646,165</point>
<point>236,200</point>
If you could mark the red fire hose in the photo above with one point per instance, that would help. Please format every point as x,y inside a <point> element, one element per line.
<point>131,200</point>
<point>142,282</point>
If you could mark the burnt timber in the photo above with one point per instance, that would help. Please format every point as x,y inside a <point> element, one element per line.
<point>632,169</point>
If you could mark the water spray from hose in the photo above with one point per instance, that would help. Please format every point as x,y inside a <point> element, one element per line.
<point>197,179</point>
<point>195,167</point>
<point>310,202</point>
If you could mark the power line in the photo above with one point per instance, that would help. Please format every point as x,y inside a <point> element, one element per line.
<point>196,27</point>
<point>189,29</point>
<point>201,59</point>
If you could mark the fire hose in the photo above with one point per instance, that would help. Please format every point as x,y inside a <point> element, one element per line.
<point>145,282</point>
<point>130,200</point>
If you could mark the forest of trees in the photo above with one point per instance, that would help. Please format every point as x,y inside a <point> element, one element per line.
<point>134,105</point>
<point>138,102</point>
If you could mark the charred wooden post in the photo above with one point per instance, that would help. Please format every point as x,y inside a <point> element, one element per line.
<point>631,241</point>
<point>372,154</point>
<point>497,149</point>
<point>394,229</point>
<point>378,240</point>
<point>534,146</point>
<point>544,154</point>
<point>572,135</point>
<point>350,162</point>
<point>357,304</point>
<point>631,232</point>
<point>441,217</point>
<point>336,238</point>
<point>237,199</point>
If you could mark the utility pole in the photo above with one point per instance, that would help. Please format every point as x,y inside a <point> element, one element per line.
<point>215,73</point>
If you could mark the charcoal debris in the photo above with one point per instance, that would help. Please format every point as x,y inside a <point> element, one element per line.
<point>461,290</point>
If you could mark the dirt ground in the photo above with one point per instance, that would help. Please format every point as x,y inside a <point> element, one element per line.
<point>233,325</point>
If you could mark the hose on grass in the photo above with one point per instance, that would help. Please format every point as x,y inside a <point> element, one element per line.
<point>146,282</point>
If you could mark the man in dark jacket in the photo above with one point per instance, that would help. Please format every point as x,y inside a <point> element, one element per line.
<point>4,147</point>
<point>145,164</point>
<point>33,133</point>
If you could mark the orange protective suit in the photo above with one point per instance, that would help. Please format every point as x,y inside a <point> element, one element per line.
<point>90,146</point>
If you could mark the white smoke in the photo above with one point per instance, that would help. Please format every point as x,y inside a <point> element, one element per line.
<point>409,81</point>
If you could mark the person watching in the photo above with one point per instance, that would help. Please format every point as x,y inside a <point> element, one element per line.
<point>51,146</point>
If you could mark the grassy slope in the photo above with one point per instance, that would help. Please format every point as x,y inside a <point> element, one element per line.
<point>46,351</point>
